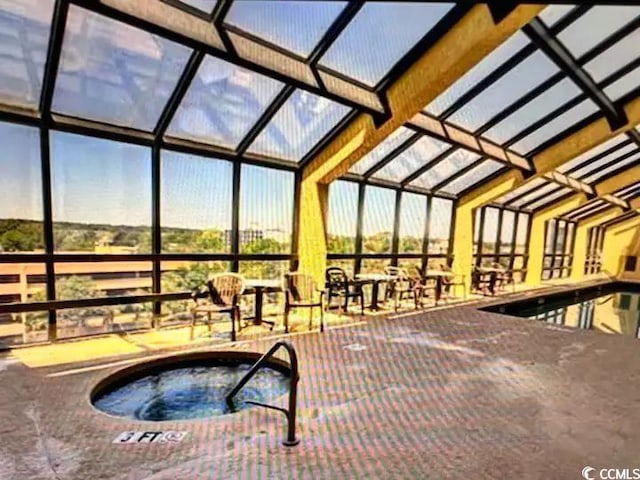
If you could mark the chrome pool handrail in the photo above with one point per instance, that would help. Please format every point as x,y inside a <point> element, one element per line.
<point>290,412</point>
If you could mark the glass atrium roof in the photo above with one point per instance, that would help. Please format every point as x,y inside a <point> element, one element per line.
<point>276,81</point>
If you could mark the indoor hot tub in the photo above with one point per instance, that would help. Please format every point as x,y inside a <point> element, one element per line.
<point>190,386</point>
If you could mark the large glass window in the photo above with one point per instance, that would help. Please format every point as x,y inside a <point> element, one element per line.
<point>283,23</point>
<point>24,39</point>
<point>299,124</point>
<point>383,149</point>
<point>595,244</point>
<point>115,73</point>
<point>196,203</point>
<point>507,231</point>
<point>413,216</point>
<point>75,281</point>
<point>378,219</point>
<point>389,29</point>
<point>101,195</point>
<point>558,250</point>
<point>440,226</point>
<point>20,190</point>
<point>343,217</point>
<point>527,75</point>
<point>504,226</point>
<point>265,230</point>
<point>223,102</point>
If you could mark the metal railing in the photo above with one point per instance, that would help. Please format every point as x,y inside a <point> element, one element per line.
<point>290,412</point>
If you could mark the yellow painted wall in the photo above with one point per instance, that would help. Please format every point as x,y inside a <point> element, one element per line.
<point>619,241</point>
<point>582,239</point>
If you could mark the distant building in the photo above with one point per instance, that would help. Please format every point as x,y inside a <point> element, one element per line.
<point>245,236</point>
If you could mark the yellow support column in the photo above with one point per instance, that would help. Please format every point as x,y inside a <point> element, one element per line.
<point>581,243</point>
<point>537,235</point>
<point>463,230</point>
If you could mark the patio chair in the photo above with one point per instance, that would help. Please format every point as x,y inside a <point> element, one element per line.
<point>339,286</point>
<point>224,294</point>
<point>457,280</point>
<point>428,286</point>
<point>401,285</point>
<point>300,292</point>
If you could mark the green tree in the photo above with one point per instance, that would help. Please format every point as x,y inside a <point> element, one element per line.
<point>209,241</point>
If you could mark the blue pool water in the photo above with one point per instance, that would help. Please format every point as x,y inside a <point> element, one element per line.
<point>190,392</point>
<point>610,310</point>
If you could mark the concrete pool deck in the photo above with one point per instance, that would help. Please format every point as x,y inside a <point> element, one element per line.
<point>453,393</point>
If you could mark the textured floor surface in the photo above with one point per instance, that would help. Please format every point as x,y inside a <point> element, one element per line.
<point>456,393</point>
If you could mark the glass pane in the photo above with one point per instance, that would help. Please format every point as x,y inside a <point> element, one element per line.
<point>24,39</point>
<point>477,175</point>
<point>595,176</point>
<point>195,204</point>
<point>383,149</point>
<point>101,195</point>
<point>205,6</point>
<point>533,111</point>
<point>536,182</point>
<point>476,229</point>
<point>446,168</point>
<point>490,230</point>
<point>551,14</point>
<point>522,233</point>
<point>266,210</point>
<point>593,152</point>
<point>594,26</point>
<point>343,217</point>
<point>294,25</point>
<point>377,220</point>
<point>20,190</point>
<point>22,283</point>
<point>569,243</point>
<point>535,193</point>
<point>416,156</point>
<point>413,215</point>
<point>561,230</point>
<point>549,199</point>
<point>76,281</point>
<point>614,58</point>
<point>347,265</point>
<point>596,164</point>
<point>623,85</point>
<point>555,127</point>
<point>264,270</point>
<point>301,123</point>
<point>373,265</point>
<point>516,83</point>
<point>180,276</point>
<point>379,36</point>
<point>115,73</point>
<point>223,102</point>
<point>506,232</point>
<point>440,226</point>
<point>551,232</point>
<point>490,63</point>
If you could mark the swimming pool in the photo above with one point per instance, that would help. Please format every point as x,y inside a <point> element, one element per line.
<point>613,308</point>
